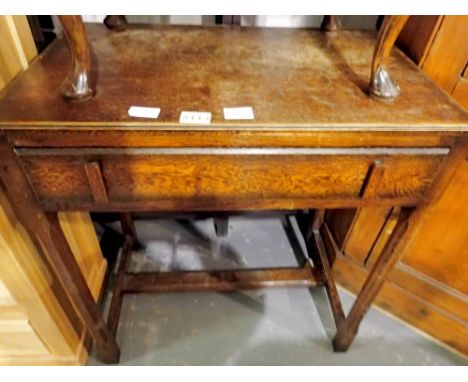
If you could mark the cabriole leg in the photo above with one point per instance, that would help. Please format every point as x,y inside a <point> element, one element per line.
<point>78,85</point>
<point>382,85</point>
<point>115,23</point>
<point>330,24</point>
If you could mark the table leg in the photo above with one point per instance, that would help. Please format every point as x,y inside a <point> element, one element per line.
<point>221,224</point>
<point>47,235</point>
<point>405,229</point>
<point>128,229</point>
<point>348,328</point>
<point>78,85</point>
<point>117,295</point>
<point>320,258</point>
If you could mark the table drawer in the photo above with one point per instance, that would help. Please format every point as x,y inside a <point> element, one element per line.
<point>215,176</point>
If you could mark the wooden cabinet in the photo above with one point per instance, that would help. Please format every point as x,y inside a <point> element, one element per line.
<point>17,47</point>
<point>38,323</point>
<point>438,44</point>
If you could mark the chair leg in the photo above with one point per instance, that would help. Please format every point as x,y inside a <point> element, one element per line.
<point>116,23</point>
<point>78,85</point>
<point>330,24</point>
<point>382,85</point>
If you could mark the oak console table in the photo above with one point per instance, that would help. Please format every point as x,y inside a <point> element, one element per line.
<point>318,141</point>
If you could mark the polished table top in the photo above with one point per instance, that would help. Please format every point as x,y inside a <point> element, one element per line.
<point>299,78</point>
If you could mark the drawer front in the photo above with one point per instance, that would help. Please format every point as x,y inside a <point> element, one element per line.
<point>58,178</point>
<point>214,176</point>
<point>236,176</point>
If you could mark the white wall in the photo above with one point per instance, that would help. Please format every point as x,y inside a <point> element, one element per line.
<point>314,21</point>
<point>159,19</point>
<point>348,22</point>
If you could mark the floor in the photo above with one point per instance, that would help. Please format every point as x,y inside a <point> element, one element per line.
<point>266,327</point>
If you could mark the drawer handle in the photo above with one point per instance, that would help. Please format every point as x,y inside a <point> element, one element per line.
<point>96,182</point>
<point>372,181</point>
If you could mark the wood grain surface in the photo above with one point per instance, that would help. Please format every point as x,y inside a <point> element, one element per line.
<point>293,77</point>
<point>127,178</point>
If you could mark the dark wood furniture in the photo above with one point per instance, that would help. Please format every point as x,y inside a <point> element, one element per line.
<point>318,141</point>
<point>428,288</point>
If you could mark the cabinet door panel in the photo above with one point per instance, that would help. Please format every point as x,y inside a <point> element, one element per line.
<point>440,249</point>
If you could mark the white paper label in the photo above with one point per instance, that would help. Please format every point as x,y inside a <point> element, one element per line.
<point>144,112</point>
<point>245,112</point>
<point>195,117</point>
